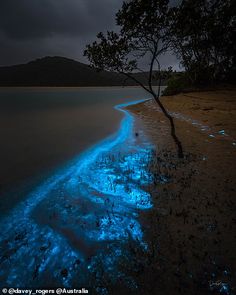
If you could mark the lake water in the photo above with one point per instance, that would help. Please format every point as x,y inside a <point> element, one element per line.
<point>42,128</point>
<point>81,221</point>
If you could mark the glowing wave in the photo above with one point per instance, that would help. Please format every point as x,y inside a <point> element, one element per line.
<point>80,221</point>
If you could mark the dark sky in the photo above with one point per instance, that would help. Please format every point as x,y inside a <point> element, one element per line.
<point>35,28</point>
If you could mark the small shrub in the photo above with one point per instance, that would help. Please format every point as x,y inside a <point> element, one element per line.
<point>176,84</point>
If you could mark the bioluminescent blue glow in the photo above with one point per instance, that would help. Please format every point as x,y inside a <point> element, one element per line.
<point>222,132</point>
<point>80,222</point>
<point>220,287</point>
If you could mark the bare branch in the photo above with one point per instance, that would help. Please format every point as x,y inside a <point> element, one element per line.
<point>136,80</point>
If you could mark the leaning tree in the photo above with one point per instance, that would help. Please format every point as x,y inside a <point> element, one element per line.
<point>141,35</point>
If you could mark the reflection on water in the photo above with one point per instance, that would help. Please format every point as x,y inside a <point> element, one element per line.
<point>76,230</point>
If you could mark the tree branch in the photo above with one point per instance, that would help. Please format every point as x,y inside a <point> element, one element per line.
<point>151,69</point>
<point>137,81</point>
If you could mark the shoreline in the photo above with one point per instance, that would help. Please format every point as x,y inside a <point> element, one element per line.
<point>44,219</point>
<point>181,237</point>
<point>121,134</point>
<point>42,129</point>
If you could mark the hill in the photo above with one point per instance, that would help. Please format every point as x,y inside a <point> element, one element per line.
<point>60,71</point>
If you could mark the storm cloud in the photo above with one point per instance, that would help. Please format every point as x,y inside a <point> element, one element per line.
<point>34,28</point>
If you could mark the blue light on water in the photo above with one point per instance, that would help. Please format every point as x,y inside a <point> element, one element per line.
<point>82,218</point>
<point>220,287</point>
<point>222,132</point>
<point>225,289</point>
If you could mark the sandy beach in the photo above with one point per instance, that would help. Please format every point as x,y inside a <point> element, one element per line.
<point>192,225</point>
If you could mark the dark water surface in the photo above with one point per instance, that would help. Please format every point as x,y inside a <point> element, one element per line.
<point>42,128</point>
<point>80,227</point>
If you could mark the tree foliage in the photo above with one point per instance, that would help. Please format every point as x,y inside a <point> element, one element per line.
<point>142,35</point>
<point>202,33</point>
<point>143,30</point>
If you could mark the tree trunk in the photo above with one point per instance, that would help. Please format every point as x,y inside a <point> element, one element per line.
<point>172,125</point>
<point>167,115</point>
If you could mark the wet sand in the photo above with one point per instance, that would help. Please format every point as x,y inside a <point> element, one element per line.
<point>192,227</point>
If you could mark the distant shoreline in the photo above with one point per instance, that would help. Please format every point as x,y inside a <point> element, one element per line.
<point>63,72</point>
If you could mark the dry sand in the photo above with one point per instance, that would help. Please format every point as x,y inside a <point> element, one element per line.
<point>192,227</point>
